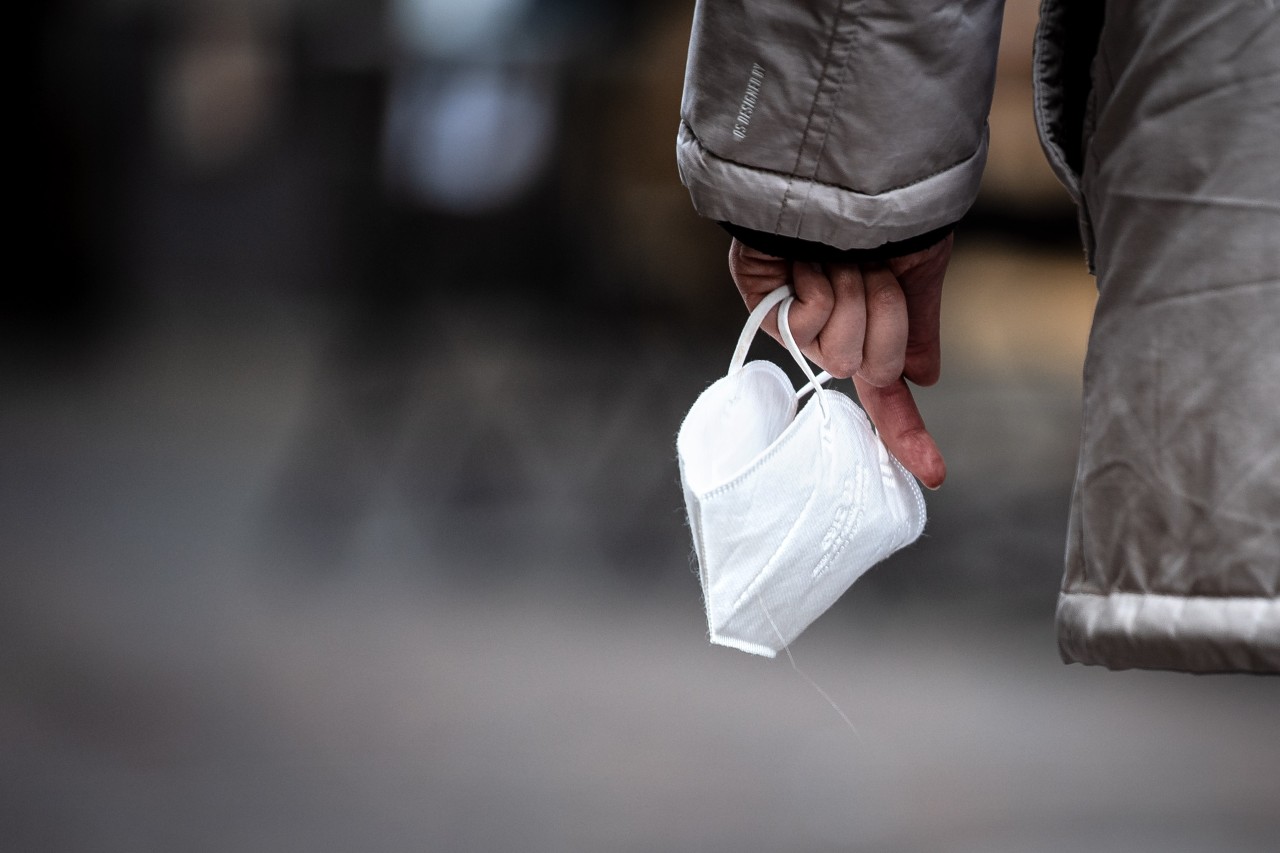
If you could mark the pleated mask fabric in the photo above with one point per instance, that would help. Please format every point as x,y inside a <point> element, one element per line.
<point>788,506</point>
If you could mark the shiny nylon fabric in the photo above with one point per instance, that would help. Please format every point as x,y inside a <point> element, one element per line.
<point>846,122</point>
<point>1173,556</point>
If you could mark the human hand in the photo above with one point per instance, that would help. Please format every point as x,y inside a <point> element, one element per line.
<point>876,323</point>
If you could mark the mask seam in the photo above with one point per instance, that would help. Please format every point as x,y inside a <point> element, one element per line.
<point>759,575</point>
<point>700,545</point>
<point>759,459</point>
<point>919,499</point>
<point>830,557</point>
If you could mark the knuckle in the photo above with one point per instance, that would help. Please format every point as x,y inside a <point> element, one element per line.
<point>845,278</point>
<point>885,297</point>
<point>755,271</point>
<point>822,299</point>
<point>843,366</point>
<point>881,374</point>
<point>804,336</point>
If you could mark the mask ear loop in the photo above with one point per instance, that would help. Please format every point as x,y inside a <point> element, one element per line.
<point>822,378</point>
<point>753,325</point>
<point>784,326</point>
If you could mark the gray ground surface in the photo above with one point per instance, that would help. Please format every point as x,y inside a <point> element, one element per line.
<point>262,596</point>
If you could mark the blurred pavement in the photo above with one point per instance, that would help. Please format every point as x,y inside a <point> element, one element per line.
<point>248,607</point>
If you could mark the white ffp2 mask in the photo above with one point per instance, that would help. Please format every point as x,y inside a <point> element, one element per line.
<point>787,509</point>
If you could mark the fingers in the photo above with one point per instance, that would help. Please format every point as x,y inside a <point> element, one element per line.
<point>920,276</point>
<point>922,362</point>
<point>839,345</point>
<point>893,410</point>
<point>884,349</point>
<point>846,318</point>
<point>755,273</point>
<point>876,324</point>
<point>811,311</point>
<point>850,319</point>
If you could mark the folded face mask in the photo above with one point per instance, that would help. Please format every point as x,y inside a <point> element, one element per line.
<point>788,506</point>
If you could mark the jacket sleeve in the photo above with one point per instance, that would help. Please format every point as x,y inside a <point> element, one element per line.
<point>850,123</point>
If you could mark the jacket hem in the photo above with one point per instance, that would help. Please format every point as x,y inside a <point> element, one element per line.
<point>845,219</point>
<point>820,253</point>
<point>1066,40</point>
<point>1201,634</point>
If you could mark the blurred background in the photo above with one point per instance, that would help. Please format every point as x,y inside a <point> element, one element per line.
<point>338,490</point>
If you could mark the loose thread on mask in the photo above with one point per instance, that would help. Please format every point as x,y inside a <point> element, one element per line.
<point>805,675</point>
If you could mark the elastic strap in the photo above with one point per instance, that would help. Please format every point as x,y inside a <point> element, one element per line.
<point>823,378</point>
<point>784,326</point>
<point>783,296</point>
<point>753,325</point>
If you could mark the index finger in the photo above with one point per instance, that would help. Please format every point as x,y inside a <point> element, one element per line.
<point>897,418</point>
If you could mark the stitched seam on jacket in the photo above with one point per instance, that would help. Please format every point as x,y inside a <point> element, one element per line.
<point>1044,87</point>
<point>826,130</point>
<point>707,152</point>
<point>813,108</point>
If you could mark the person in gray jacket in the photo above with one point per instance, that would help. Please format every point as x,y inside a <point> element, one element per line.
<point>838,141</point>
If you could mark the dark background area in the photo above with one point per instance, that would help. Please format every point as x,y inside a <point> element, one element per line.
<point>342,355</point>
